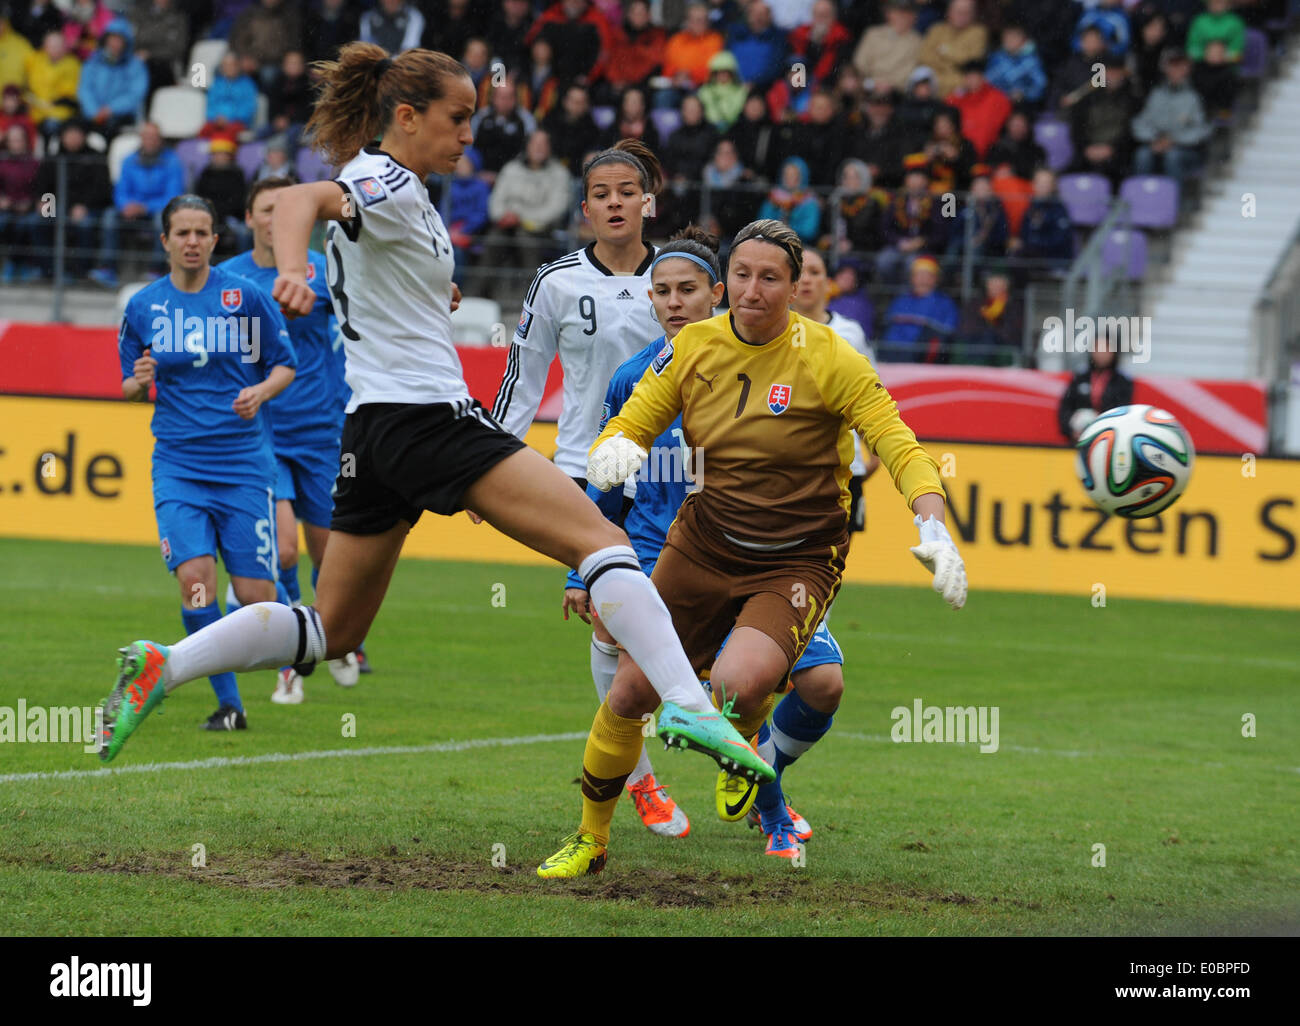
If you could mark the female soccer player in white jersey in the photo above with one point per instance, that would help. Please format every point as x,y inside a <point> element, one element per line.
<point>413,438</point>
<point>592,308</point>
<point>810,300</point>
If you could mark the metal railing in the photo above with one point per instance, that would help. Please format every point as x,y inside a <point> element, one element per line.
<point>1276,331</point>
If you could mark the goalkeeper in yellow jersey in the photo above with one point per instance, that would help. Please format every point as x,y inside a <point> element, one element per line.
<point>769,398</point>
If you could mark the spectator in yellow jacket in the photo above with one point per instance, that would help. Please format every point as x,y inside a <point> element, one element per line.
<point>52,77</point>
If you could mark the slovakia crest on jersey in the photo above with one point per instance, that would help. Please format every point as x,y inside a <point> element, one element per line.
<point>663,359</point>
<point>232,299</point>
<point>778,398</point>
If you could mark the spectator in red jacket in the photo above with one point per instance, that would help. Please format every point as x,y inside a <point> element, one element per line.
<point>13,111</point>
<point>638,52</point>
<point>984,108</point>
<point>17,200</point>
<point>579,35</point>
<point>822,45</point>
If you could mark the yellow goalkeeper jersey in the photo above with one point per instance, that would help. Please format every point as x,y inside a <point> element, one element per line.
<point>770,426</point>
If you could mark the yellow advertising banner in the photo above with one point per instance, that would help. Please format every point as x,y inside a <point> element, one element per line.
<point>74,469</point>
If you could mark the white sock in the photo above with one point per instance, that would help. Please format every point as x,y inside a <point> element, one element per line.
<point>232,601</point>
<point>632,611</point>
<point>261,636</point>
<point>604,661</point>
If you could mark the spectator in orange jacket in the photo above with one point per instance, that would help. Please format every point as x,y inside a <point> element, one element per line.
<point>984,108</point>
<point>686,57</point>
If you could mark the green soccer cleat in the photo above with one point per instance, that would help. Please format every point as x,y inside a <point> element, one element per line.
<point>139,689</point>
<point>709,732</point>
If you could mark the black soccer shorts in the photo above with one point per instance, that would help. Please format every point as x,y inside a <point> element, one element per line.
<point>399,459</point>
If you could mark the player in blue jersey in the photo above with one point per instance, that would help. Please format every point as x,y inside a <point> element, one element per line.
<point>686,286</point>
<point>217,350</point>
<point>306,422</point>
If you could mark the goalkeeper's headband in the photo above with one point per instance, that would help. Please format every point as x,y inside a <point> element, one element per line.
<point>677,255</point>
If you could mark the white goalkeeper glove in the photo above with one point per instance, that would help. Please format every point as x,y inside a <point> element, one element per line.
<point>939,555</point>
<point>613,462</point>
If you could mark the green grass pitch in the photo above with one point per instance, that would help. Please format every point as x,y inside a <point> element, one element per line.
<point>1119,727</point>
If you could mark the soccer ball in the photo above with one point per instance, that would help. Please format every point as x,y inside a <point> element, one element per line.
<point>1134,461</point>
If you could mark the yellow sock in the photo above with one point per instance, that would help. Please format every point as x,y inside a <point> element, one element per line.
<point>747,726</point>
<point>613,747</point>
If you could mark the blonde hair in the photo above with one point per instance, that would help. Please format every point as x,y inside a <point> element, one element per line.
<point>778,233</point>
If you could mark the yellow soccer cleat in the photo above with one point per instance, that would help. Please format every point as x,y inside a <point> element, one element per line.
<point>582,855</point>
<point>734,797</point>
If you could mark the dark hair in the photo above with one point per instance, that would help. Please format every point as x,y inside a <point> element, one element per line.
<point>696,242</point>
<point>635,154</point>
<point>263,184</point>
<point>775,233</point>
<point>360,91</point>
<point>187,201</point>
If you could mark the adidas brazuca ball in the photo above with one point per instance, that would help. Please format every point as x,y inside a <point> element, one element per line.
<point>1134,461</point>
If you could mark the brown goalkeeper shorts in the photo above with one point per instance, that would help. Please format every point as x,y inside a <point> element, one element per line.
<point>712,585</point>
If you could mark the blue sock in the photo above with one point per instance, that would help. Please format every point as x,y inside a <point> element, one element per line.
<point>315,573</point>
<point>796,727</point>
<point>289,581</point>
<point>281,595</point>
<point>222,683</point>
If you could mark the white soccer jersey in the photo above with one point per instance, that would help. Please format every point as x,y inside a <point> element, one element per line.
<point>595,319</point>
<point>852,333</point>
<point>389,271</point>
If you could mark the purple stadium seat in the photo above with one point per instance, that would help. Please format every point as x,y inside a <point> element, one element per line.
<point>1254,58</point>
<point>249,158</point>
<point>1125,251</point>
<point>311,167</point>
<point>603,116</point>
<point>193,155</point>
<point>1086,197</point>
<point>667,121</point>
<point>1054,137</point>
<point>1152,200</point>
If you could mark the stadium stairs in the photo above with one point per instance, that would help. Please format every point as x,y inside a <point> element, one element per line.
<point>1201,307</point>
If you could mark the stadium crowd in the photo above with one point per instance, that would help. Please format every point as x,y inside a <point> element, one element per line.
<point>898,136</point>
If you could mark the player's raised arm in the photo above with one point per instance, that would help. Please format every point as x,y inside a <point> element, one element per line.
<point>297,209</point>
<point>851,385</point>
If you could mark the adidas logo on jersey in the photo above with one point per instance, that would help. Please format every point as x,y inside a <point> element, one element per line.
<point>625,294</point>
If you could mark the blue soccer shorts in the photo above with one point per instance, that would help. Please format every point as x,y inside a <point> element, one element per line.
<point>306,478</point>
<point>202,518</point>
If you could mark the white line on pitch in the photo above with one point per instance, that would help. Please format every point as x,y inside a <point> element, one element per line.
<point>1063,752</point>
<point>220,762</point>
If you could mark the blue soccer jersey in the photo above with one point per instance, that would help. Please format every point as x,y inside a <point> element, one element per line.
<point>661,484</point>
<point>209,345</point>
<point>307,414</point>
